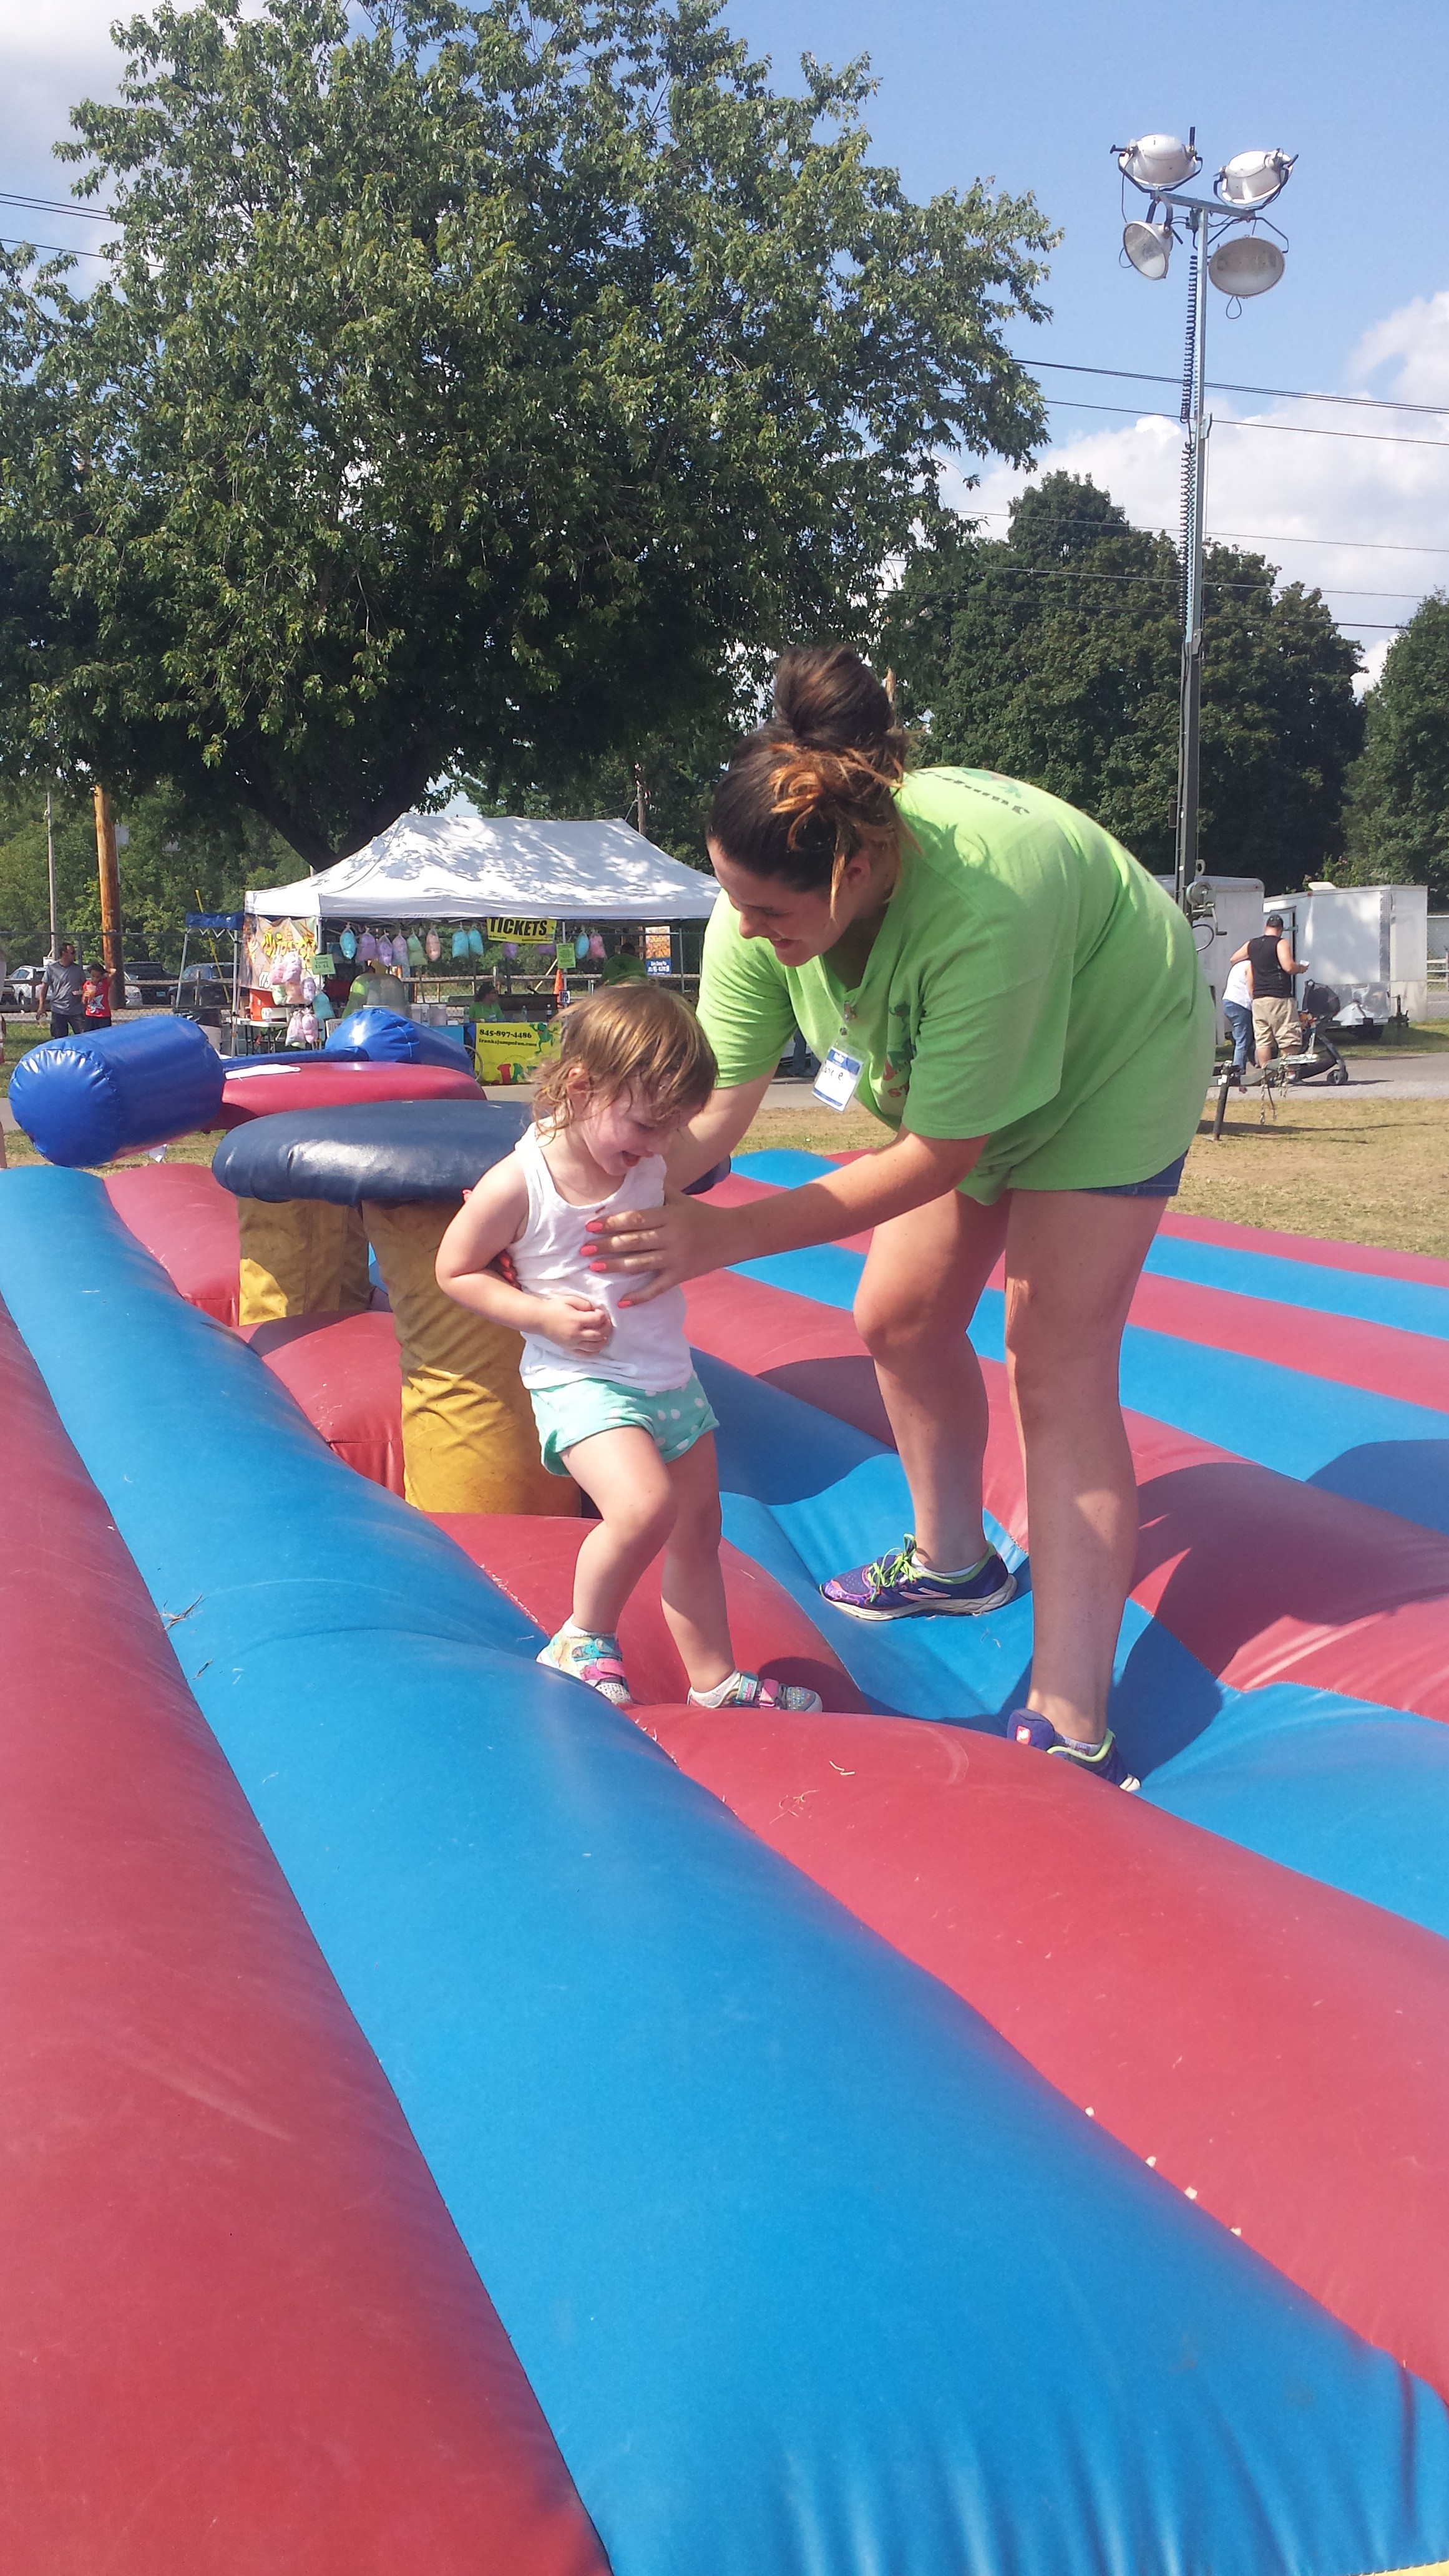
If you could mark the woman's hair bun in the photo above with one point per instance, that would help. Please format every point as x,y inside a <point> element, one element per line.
<point>830,700</point>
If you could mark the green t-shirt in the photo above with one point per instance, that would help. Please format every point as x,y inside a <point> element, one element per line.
<point>1029,984</point>
<point>622,969</point>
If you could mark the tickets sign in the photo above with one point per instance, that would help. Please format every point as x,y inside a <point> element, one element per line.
<point>516,926</point>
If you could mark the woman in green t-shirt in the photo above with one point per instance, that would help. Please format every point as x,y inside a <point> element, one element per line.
<point>996,978</point>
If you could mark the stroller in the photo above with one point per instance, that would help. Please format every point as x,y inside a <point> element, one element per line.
<point>1318,1055</point>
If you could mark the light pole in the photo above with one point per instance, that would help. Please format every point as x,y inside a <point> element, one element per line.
<point>1226,246</point>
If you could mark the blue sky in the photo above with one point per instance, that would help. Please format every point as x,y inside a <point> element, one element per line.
<point>1034,97</point>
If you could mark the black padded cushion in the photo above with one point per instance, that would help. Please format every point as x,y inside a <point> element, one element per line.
<point>392,1151</point>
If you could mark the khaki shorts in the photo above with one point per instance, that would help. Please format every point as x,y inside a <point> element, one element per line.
<point>1277,1018</point>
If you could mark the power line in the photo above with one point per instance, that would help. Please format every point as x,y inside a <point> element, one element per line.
<point>1275,393</point>
<point>1170,580</point>
<point>1245,536</point>
<point>63,250</point>
<point>1294,429</point>
<point>60,206</point>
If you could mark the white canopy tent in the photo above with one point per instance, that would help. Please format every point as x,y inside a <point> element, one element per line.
<point>449,867</point>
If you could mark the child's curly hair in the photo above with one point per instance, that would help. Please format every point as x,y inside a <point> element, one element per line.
<point>629,1037</point>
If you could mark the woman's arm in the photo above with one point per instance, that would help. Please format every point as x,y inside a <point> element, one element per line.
<point>686,1237</point>
<point>492,1217</point>
<point>714,1130</point>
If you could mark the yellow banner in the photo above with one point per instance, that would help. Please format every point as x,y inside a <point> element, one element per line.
<point>510,927</point>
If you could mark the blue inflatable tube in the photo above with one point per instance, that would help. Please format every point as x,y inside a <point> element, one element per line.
<point>808,2270</point>
<point>116,1091</point>
<point>390,1037</point>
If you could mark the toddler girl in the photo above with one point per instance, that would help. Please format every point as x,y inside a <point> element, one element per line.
<point>617,1403</point>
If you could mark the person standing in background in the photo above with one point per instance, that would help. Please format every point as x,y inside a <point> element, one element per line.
<point>1273,966</point>
<point>96,998</point>
<point>63,991</point>
<point>1238,1012</point>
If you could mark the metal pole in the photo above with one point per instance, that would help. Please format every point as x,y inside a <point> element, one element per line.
<point>1193,520</point>
<point>50,870</point>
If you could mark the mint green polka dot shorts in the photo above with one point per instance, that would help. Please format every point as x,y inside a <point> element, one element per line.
<point>575,1408</point>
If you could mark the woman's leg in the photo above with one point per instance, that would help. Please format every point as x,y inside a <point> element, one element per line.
<point>624,1474</point>
<point>918,1292</point>
<point>1072,1262</point>
<point>691,1587</point>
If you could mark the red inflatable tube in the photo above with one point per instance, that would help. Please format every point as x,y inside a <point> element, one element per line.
<point>1216,2012</point>
<point>242,2337</point>
<point>344,1373</point>
<point>1275,2048</point>
<point>1261,1578</point>
<point>188,1223</point>
<point>532,1561</point>
<point>259,1090</point>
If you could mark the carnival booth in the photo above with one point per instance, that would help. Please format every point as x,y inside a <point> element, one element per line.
<point>479,924</point>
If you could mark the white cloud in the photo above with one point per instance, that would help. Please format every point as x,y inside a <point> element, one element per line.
<point>1418,335</point>
<point>50,57</point>
<point>1364,521</point>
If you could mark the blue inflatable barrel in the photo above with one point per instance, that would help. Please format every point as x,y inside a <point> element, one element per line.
<point>115,1091</point>
<point>389,1037</point>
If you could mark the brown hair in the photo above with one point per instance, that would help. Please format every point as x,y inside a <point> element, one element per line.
<point>817,782</point>
<point>629,1037</point>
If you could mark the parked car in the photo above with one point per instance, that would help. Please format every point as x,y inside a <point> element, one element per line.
<point>146,981</point>
<point>201,995</point>
<point>22,984</point>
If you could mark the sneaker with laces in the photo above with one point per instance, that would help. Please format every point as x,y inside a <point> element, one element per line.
<point>898,1586</point>
<point>746,1690</point>
<point>1101,1762</point>
<point>595,1660</point>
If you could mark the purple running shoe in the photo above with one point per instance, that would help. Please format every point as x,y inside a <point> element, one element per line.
<point>899,1587</point>
<point>1104,1763</point>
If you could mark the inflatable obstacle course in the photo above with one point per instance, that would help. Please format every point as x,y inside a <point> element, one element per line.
<point>877,2150</point>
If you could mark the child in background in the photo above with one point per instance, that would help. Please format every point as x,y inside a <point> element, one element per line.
<point>614,1394</point>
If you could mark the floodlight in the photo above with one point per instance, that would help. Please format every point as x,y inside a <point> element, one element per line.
<point>1254,178</point>
<point>1148,246</point>
<point>1246,264</point>
<point>1158,161</point>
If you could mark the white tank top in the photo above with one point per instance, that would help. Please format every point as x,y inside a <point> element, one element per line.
<point>647,1348</point>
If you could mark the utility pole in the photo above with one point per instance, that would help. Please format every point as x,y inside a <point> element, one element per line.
<point>108,870</point>
<point>1226,246</point>
<point>1194,519</point>
<point>50,871</point>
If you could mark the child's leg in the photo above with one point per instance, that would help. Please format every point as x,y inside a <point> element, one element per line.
<point>692,1587</point>
<point>624,1474</point>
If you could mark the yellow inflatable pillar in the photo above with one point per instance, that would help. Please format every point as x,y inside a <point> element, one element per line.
<point>469,1444</point>
<point>300,1257</point>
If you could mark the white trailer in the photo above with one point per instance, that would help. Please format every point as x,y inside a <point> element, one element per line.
<point>1224,911</point>
<point>1371,943</point>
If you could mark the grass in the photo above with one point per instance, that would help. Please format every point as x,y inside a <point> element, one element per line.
<point>1358,1171</point>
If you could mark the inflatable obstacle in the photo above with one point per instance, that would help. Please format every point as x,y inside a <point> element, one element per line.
<point>875,2149</point>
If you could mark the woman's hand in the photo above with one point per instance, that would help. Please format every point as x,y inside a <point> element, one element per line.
<point>663,1246</point>
<point>576,1324</point>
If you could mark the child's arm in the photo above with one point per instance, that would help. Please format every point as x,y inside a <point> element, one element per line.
<point>492,1217</point>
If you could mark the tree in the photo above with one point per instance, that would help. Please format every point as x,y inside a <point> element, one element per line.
<point>171,865</point>
<point>1398,824</point>
<point>474,390</point>
<point>1056,658</point>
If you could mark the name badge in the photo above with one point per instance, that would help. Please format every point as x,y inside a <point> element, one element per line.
<point>835,1083</point>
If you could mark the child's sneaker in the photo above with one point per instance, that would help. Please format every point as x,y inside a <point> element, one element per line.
<point>1101,1762</point>
<point>746,1690</point>
<point>595,1660</point>
<point>898,1586</point>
